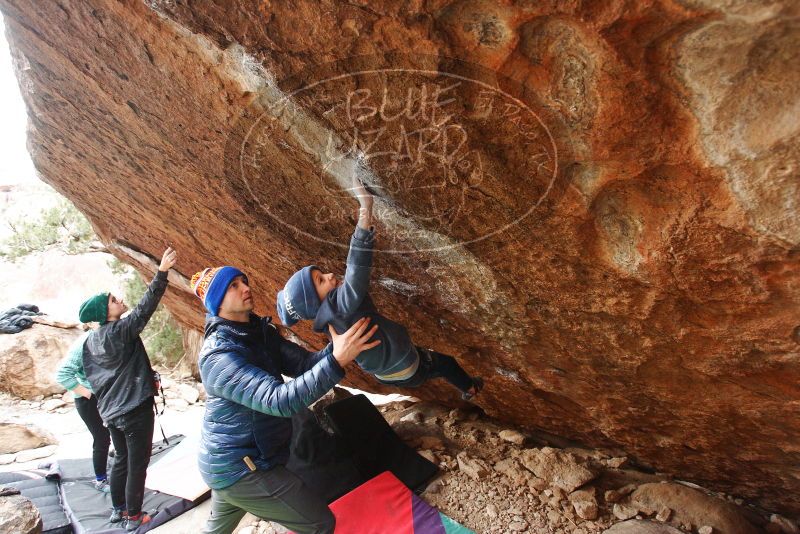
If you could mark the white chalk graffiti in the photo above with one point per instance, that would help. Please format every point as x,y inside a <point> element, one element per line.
<point>418,140</point>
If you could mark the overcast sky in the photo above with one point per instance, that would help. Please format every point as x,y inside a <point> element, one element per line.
<point>15,162</point>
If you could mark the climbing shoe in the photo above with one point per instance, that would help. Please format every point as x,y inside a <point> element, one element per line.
<point>135,521</point>
<point>477,386</point>
<point>117,515</point>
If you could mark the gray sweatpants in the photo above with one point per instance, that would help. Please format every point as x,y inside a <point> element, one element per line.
<point>276,495</point>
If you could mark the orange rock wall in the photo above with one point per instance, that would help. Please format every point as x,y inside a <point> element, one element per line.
<point>595,211</point>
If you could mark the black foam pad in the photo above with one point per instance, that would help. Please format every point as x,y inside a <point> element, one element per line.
<point>376,447</point>
<point>323,461</point>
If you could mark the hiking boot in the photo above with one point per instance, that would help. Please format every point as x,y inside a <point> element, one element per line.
<point>477,386</point>
<point>135,521</point>
<point>102,486</point>
<point>117,515</point>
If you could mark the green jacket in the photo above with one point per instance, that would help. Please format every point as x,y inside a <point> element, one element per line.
<point>70,372</point>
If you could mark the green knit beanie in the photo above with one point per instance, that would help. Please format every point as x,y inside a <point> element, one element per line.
<point>94,309</point>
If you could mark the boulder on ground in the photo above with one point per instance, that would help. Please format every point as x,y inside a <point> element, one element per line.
<point>514,470</point>
<point>513,436</point>
<point>412,417</point>
<point>618,494</point>
<point>29,359</point>
<point>558,468</point>
<point>19,515</point>
<point>473,467</point>
<point>426,410</point>
<point>616,463</point>
<point>691,507</point>
<point>35,454</point>
<point>433,443</point>
<point>624,510</point>
<point>51,405</point>
<point>585,503</point>
<point>15,438</point>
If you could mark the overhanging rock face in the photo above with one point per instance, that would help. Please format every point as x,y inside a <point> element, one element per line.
<point>593,207</point>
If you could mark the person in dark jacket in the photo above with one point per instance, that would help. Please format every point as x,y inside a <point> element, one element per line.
<point>118,369</point>
<point>244,443</point>
<point>312,295</point>
<point>70,375</point>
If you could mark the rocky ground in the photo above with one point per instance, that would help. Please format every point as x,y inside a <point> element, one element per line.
<point>493,478</point>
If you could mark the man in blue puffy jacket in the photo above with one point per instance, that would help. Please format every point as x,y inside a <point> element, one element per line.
<point>247,428</point>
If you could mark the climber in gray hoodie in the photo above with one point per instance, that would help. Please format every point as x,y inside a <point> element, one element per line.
<point>311,294</point>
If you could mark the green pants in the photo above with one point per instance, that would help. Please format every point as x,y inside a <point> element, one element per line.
<point>275,495</point>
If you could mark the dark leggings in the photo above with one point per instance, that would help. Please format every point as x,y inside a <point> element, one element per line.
<point>101,440</point>
<point>434,364</point>
<point>132,434</point>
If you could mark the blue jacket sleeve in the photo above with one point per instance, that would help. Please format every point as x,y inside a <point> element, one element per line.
<point>356,277</point>
<point>228,375</point>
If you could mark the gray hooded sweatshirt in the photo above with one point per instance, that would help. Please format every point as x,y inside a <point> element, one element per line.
<point>346,304</point>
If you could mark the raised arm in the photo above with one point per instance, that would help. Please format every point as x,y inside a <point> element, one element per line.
<point>132,325</point>
<point>365,201</point>
<point>359,259</point>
